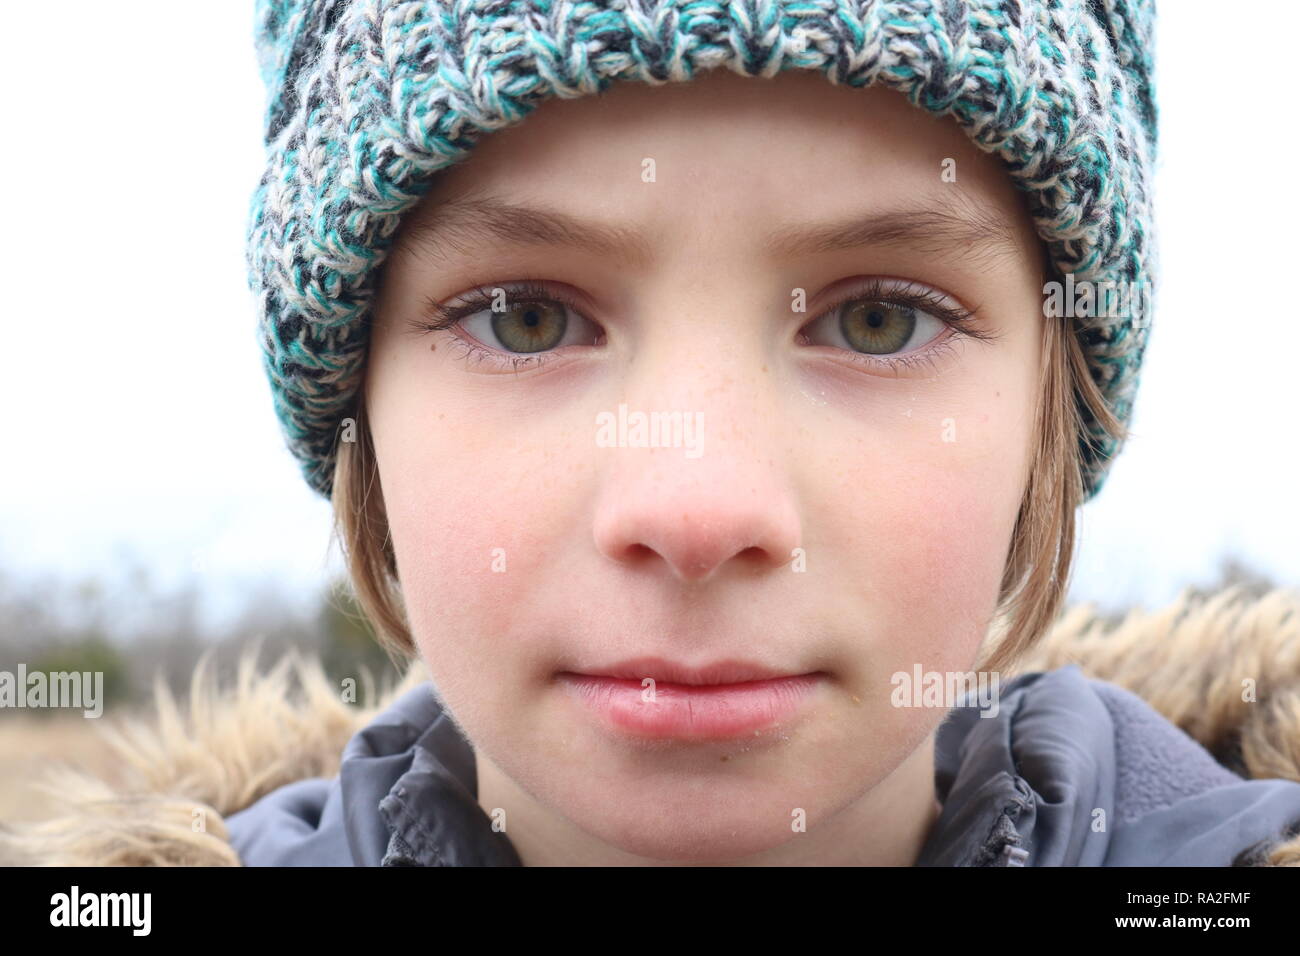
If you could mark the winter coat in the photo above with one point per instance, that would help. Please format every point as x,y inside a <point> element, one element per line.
<point>1172,738</point>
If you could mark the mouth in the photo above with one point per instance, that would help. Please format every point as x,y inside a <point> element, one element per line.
<point>659,699</point>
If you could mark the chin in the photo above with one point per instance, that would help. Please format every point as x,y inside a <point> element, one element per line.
<point>706,825</point>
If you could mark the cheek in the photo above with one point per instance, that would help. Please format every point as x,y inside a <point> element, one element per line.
<point>949,554</point>
<point>473,531</point>
<point>950,542</point>
<point>936,495</point>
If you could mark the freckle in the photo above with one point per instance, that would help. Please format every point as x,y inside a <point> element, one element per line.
<point>433,346</point>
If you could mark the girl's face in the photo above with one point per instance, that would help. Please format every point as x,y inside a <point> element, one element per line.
<point>836,508</point>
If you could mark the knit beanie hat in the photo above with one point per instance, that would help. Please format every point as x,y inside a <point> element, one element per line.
<point>367,99</point>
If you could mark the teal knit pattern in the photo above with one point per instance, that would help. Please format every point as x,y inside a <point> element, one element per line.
<point>367,99</point>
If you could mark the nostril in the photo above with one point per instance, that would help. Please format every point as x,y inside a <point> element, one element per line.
<point>637,551</point>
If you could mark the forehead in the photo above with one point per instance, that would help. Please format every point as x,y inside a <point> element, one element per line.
<point>809,167</point>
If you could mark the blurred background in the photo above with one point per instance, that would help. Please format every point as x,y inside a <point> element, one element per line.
<point>149,510</point>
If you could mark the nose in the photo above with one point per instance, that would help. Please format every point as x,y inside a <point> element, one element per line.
<point>729,508</point>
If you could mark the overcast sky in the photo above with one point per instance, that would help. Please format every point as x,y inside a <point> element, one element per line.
<point>138,421</point>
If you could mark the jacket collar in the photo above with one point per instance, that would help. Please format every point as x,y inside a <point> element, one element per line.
<point>1024,787</point>
<point>415,766</point>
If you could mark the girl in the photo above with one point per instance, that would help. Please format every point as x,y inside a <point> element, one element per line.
<point>641,654</point>
<point>713,440</point>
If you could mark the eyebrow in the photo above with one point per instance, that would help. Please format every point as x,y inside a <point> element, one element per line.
<point>956,224</point>
<point>460,224</point>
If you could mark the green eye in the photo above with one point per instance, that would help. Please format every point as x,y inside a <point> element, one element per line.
<point>876,327</point>
<point>530,325</point>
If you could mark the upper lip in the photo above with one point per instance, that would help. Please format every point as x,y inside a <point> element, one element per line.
<point>660,670</point>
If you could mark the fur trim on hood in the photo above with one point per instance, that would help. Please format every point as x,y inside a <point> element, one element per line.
<point>184,769</point>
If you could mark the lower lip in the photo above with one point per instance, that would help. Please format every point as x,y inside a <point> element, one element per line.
<point>690,711</point>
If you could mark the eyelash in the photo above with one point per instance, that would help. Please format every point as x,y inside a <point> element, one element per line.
<point>911,295</point>
<point>437,317</point>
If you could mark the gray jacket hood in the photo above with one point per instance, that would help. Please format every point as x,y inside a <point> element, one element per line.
<point>1072,771</point>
